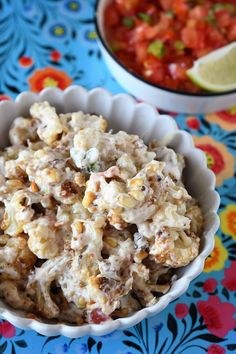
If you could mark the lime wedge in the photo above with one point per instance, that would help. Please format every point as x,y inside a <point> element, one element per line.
<point>216,71</point>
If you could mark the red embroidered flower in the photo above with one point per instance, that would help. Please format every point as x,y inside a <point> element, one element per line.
<point>7,330</point>
<point>229,280</point>
<point>210,285</point>
<point>49,77</point>
<point>217,315</point>
<point>25,61</point>
<point>181,310</point>
<point>55,55</point>
<point>215,349</point>
<point>214,158</point>
<point>193,123</point>
<point>4,98</point>
<point>227,116</point>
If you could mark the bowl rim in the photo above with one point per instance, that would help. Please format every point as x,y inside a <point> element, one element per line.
<point>76,331</point>
<point>143,80</point>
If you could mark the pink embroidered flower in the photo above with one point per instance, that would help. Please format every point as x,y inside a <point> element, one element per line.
<point>215,349</point>
<point>229,281</point>
<point>210,285</point>
<point>7,330</point>
<point>181,310</point>
<point>217,315</point>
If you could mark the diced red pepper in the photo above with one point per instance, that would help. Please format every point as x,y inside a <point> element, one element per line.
<point>97,316</point>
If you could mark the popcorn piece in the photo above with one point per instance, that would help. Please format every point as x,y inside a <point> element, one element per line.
<point>175,249</point>
<point>41,280</point>
<point>16,298</point>
<point>23,129</point>
<point>43,241</point>
<point>50,126</point>
<point>79,121</point>
<point>17,254</point>
<point>18,212</point>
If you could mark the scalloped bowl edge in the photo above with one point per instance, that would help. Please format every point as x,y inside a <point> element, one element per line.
<point>124,113</point>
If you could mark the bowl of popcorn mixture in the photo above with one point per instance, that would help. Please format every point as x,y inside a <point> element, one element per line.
<point>108,211</point>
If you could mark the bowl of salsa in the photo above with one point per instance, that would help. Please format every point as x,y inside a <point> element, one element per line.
<point>149,46</point>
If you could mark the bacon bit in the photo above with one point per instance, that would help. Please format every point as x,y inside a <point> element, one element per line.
<point>31,315</point>
<point>34,187</point>
<point>97,316</point>
<point>21,174</point>
<point>68,188</point>
<point>111,172</point>
<point>5,221</point>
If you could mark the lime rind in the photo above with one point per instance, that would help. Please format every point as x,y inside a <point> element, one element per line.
<point>216,72</point>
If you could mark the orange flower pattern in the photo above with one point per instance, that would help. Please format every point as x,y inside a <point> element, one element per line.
<point>49,77</point>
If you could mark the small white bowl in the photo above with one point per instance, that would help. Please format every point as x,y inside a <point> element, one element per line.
<point>124,113</point>
<point>163,98</point>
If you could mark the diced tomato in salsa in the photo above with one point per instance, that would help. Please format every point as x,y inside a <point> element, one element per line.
<point>160,39</point>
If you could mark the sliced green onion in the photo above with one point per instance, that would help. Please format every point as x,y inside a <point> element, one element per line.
<point>145,17</point>
<point>179,45</point>
<point>170,14</point>
<point>230,8</point>
<point>94,167</point>
<point>157,49</point>
<point>222,6</point>
<point>218,7</point>
<point>128,22</point>
<point>211,17</point>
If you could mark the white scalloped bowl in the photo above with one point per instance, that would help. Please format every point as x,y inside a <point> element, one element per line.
<point>124,113</point>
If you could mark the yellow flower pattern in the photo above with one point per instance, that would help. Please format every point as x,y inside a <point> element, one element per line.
<point>217,258</point>
<point>228,220</point>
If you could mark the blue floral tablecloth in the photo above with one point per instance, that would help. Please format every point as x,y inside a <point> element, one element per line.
<point>53,43</point>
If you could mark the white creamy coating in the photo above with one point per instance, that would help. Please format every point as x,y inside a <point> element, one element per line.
<point>93,223</point>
